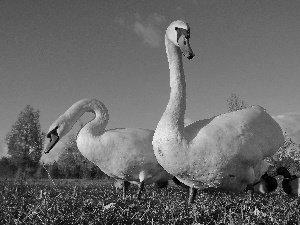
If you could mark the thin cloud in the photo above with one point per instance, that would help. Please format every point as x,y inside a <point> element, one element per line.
<point>290,123</point>
<point>157,18</point>
<point>149,34</point>
<point>195,1</point>
<point>178,8</point>
<point>120,21</point>
<point>149,29</point>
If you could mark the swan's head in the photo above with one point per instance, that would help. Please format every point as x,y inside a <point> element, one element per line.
<point>179,34</point>
<point>56,131</point>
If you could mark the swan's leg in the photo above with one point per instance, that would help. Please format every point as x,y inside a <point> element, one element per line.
<point>141,188</point>
<point>125,188</point>
<point>250,189</point>
<point>192,195</point>
<point>166,184</point>
<point>167,190</point>
<point>142,178</point>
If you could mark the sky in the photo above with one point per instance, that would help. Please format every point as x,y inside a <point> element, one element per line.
<point>54,53</point>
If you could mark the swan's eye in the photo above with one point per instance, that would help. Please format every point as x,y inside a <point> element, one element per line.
<point>54,131</point>
<point>184,42</point>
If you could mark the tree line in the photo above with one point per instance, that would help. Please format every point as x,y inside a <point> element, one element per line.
<point>25,142</point>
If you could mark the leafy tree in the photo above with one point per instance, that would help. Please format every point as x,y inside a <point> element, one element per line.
<point>25,141</point>
<point>54,171</point>
<point>41,172</point>
<point>67,159</point>
<point>73,164</point>
<point>234,103</point>
<point>288,156</point>
<point>7,168</point>
<point>95,172</point>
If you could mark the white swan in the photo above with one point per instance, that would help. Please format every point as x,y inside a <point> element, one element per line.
<point>124,153</point>
<point>225,152</point>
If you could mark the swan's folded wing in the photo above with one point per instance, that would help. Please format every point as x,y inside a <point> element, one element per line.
<point>250,134</point>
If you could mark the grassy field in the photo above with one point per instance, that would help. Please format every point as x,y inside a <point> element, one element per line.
<point>90,202</point>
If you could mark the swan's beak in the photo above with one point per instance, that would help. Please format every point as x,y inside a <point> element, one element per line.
<point>54,138</point>
<point>185,47</point>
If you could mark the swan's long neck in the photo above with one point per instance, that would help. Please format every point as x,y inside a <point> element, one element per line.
<point>97,125</point>
<point>174,113</point>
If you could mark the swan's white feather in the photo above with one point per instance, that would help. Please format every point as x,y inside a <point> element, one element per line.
<point>123,153</point>
<point>225,152</point>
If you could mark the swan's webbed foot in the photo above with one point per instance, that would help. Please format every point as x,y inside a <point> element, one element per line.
<point>141,188</point>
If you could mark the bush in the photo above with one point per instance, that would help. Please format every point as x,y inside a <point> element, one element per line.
<point>287,156</point>
<point>7,168</point>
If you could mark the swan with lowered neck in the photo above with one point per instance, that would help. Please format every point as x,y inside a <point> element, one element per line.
<point>124,153</point>
<point>225,152</point>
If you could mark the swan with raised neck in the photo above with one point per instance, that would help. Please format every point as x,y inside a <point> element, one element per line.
<point>123,153</point>
<point>226,152</point>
